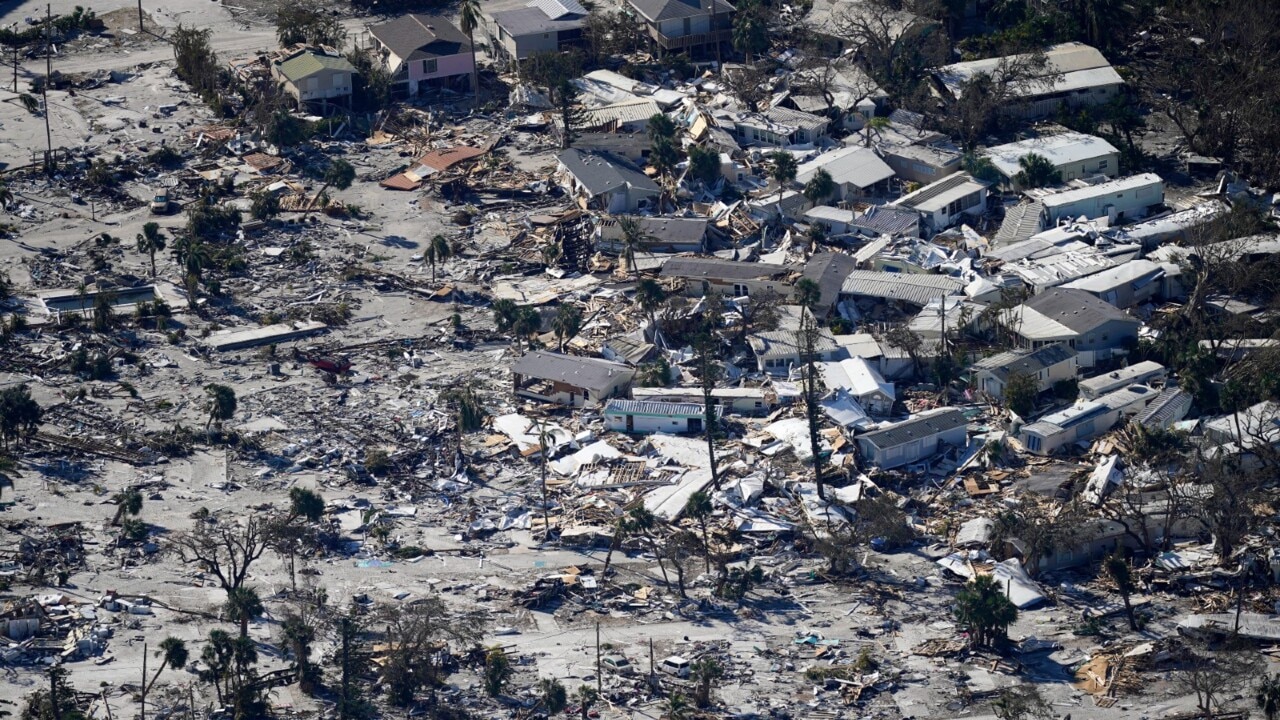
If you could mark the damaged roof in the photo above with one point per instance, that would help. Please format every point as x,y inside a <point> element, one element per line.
<point>600,173</point>
<point>714,268</point>
<point>1027,362</point>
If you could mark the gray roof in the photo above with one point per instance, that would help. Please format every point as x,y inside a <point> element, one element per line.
<point>829,270</point>
<point>912,288</point>
<point>701,268</point>
<point>653,407</point>
<point>1027,362</point>
<point>1075,309</point>
<point>916,428</point>
<point>1170,406</point>
<point>789,343</point>
<point>408,34</point>
<point>589,373</point>
<point>669,230</point>
<point>603,172</point>
<point>531,21</point>
<point>887,220</point>
<point>659,10</point>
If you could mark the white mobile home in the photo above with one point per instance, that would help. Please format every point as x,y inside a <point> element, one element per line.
<point>739,401</point>
<point>1147,372</point>
<point>943,203</point>
<point>914,440</point>
<point>1074,155</point>
<point>1085,420</point>
<point>1117,200</point>
<point>645,417</point>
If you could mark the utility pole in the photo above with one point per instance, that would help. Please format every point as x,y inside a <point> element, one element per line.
<point>599,680</point>
<point>55,703</point>
<point>15,69</point>
<point>142,707</point>
<point>139,16</point>
<point>546,511</point>
<point>344,705</point>
<point>650,661</point>
<point>48,71</point>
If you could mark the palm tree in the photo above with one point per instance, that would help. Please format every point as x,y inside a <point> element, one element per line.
<point>819,187</point>
<point>650,296</point>
<point>340,174</point>
<point>1118,569</point>
<point>632,237</point>
<point>677,707</point>
<point>1037,171</point>
<point>128,502</point>
<point>174,654</point>
<point>1268,697</point>
<point>150,241</point>
<point>808,293</point>
<point>586,696</point>
<point>243,604</point>
<point>505,312</point>
<point>438,251</point>
<point>699,508</point>
<point>469,19</point>
<point>566,323</point>
<point>875,124</point>
<point>784,170</point>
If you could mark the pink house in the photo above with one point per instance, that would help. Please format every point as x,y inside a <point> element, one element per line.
<point>423,51</point>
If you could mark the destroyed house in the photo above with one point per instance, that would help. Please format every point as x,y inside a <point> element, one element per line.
<point>1254,427</point>
<point>779,126</point>
<point>1074,155</point>
<point>518,29</point>
<point>862,381</point>
<point>605,182</point>
<point>659,235</point>
<point>569,380</point>
<point>731,278</point>
<point>777,351</point>
<point>1074,75</point>
<point>421,51</point>
<point>945,202</point>
<point>1084,421</point>
<point>647,416</point>
<point>828,271</point>
<point>856,172</point>
<point>1048,365</point>
<point>914,440</point>
<point>1075,317</point>
<point>310,76</point>
<point>685,25</point>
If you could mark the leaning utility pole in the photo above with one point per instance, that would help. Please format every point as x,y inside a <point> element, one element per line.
<point>48,72</point>
<point>599,680</point>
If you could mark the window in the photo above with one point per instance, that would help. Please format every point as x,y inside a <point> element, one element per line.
<point>546,36</point>
<point>429,66</point>
<point>688,29</point>
<point>1102,164</point>
<point>740,290</point>
<point>1033,443</point>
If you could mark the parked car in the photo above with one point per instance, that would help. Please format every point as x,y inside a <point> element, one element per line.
<point>675,665</point>
<point>160,202</point>
<point>618,664</point>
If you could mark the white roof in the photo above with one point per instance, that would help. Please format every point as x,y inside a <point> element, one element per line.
<point>1033,325</point>
<point>855,375</point>
<point>938,195</point>
<point>1061,150</point>
<point>1132,271</point>
<point>1133,182</point>
<point>830,214</point>
<point>1075,65</point>
<point>1060,268</point>
<point>857,166</point>
<point>556,9</point>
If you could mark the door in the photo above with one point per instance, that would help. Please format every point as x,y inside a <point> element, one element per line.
<point>695,425</point>
<point>631,423</point>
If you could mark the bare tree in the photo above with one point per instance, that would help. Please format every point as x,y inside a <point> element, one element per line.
<point>418,636</point>
<point>1213,676</point>
<point>225,549</point>
<point>749,84</point>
